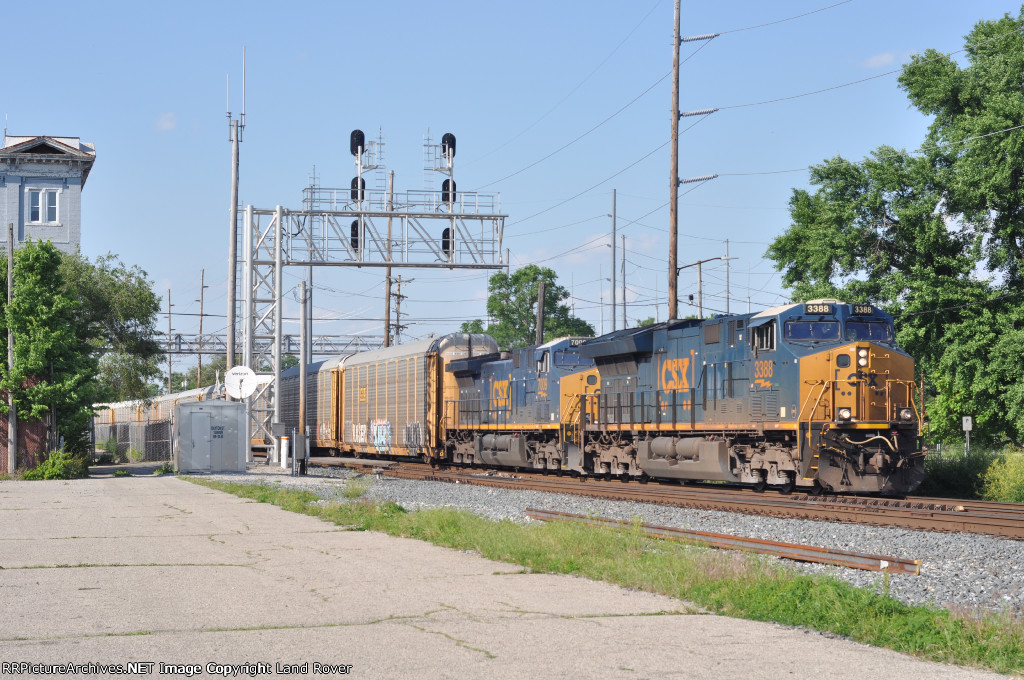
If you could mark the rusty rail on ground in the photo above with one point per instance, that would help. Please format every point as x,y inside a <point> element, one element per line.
<point>789,551</point>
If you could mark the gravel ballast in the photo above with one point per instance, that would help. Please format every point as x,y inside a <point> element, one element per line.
<point>961,571</point>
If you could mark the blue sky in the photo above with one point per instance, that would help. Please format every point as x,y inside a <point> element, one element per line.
<point>146,83</point>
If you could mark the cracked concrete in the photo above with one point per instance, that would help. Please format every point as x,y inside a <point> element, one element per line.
<point>183,574</point>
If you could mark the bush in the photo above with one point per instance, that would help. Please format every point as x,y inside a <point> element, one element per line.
<point>956,475</point>
<point>1004,480</point>
<point>164,469</point>
<point>122,473</point>
<point>60,465</point>
<point>110,446</point>
<point>135,456</point>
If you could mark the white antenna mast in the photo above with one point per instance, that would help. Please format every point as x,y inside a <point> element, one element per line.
<point>241,123</point>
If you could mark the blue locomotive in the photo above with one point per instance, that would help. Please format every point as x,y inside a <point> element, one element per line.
<point>815,395</point>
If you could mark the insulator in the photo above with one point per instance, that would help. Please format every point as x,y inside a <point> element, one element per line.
<point>701,112</point>
<point>354,240</point>
<point>356,141</point>
<point>358,188</point>
<point>448,144</point>
<point>706,36</point>
<point>448,191</point>
<point>703,178</point>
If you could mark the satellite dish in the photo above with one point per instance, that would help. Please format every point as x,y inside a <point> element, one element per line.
<point>240,382</point>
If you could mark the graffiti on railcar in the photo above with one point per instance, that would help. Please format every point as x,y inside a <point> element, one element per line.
<point>413,435</point>
<point>381,431</point>
<point>359,433</point>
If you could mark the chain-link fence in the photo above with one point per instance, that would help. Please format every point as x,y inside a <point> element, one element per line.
<point>135,442</point>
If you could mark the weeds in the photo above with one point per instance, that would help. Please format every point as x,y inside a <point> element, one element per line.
<point>122,473</point>
<point>60,465</point>
<point>1004,479</point>
<point>135,456</point>
<point>730,583</point>
<point>164,469</point>
<point>356,487</point>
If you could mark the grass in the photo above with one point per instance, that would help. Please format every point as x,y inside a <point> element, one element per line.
<point>122,473</point>
<point>729,583</point>
<point>356,487</point>
<point>993,475</point>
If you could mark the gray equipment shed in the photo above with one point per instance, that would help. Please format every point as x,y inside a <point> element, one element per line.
<point>209,436</point>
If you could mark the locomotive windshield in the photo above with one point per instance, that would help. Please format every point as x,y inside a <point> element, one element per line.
<point>812,330</point>
<point>869,330</point>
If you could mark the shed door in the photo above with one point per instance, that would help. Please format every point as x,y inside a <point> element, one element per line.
<point>200,441</point>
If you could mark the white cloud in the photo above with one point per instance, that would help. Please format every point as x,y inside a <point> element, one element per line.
<point>879,60</point>
<point>166,122</point>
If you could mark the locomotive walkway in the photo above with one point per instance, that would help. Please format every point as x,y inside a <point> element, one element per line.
<point>157,570</point>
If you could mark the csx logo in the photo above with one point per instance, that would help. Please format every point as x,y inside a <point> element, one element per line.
<point>499,394</point>
<point>673,374</point>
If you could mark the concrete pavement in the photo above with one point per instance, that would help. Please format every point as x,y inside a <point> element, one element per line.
<point>158,570</point>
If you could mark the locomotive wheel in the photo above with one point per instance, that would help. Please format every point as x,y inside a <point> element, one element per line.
<point>760,485</point>
<point>787,488</point>
<point>817,489</point>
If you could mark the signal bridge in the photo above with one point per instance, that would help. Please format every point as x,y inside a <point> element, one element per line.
<point>322,345</point>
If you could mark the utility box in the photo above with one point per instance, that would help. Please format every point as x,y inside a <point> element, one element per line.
<point>209,436</point>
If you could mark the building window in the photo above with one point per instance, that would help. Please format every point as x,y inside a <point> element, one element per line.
<point>42,206</point>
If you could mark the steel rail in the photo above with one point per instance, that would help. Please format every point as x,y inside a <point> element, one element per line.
<point>789,551</point>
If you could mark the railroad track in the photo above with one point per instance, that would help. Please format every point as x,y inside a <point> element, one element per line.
<point>1005,520</point>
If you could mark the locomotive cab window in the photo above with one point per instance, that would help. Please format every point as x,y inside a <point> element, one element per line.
<point>879,331</point>
<point>812,330</point>
<point>544,362</point>
<point>763,336</point>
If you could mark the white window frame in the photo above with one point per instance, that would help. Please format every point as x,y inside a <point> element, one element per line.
<point>44,207</point>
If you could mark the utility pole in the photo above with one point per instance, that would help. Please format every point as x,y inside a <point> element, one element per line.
<point>298,454</point>
<point>398,327</point>
<point>387,272</point>
<point>726,260</point>
<point>624,324</point>
<point>169,388</point>
<point>673,205</point>
<point>700,291</point>
<point>12,416</point>
<point>613,261</point>
<point>540,312</point>
<point>235,128</point>
<point>199,369</point>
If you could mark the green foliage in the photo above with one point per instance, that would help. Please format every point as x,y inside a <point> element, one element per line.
<point>907,232</point>
<point>512,303</point>
<point>116,320</point>
<point>356,487</point>
<point>121,472</point>
<point>164,469</point>
<point>955,475</point>
<point>724,582</point>
<point>642,323</point>
<point>134,455</point>
<point>61,464</point>
<point>1004,480</point>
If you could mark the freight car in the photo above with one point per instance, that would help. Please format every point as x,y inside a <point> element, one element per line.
<point>385,402</point>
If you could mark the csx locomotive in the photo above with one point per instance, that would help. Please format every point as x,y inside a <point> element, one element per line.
<point>814,395</point>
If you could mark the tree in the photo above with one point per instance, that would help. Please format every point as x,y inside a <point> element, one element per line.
<point>906,233</point>
<point>116,319</point>
<point>512,303</point>
<point>53,373</point>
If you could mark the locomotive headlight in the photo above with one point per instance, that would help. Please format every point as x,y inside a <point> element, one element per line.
<point>906,414</point>
<point>862,353</point>
<point>845,414</point>
<point>863,361</point>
